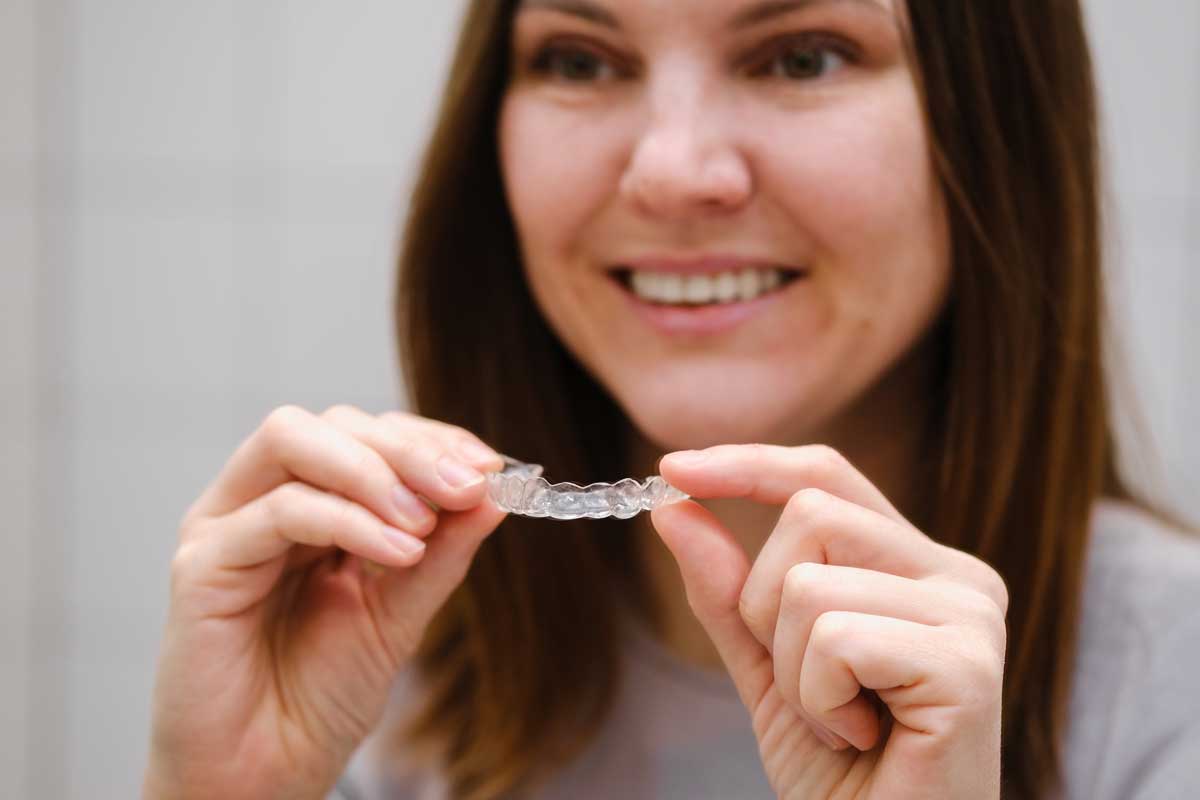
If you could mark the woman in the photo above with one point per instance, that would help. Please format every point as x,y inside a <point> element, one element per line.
<point>894,209</point>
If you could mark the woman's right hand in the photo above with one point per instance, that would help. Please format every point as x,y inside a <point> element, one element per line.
<point>283,638</point>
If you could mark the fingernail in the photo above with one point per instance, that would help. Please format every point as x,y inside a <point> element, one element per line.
<point>407,545</point>
<point>689,458</point>
<point>411,507</point>
<point>456,473</point>
<point>825,736</point>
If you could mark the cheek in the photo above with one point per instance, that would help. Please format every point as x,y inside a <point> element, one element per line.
<point>553,177</point>
<point>860,177</point>
<point>555,180</point>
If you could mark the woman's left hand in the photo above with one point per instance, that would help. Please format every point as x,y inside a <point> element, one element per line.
<point>850,621</point>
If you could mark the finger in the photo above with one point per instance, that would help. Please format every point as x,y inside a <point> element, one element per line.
<point>424,461</point>
<point>267,528</point>
<point>920,672</point>
<point>296,513</point>
<point>473,450</point>
<point>714,568</point>
<point>294,443</point>
<point>410,598</point>
<point>812,590</point>
<point>771,474</point>
<point>822,528</point>
<point>774,475</point>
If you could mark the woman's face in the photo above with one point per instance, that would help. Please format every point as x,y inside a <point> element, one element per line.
<point>689,138</point>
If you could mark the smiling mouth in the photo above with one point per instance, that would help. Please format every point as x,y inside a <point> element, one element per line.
<point>683,291</point>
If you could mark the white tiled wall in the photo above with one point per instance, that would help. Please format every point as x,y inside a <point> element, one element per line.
<point>216,187</point>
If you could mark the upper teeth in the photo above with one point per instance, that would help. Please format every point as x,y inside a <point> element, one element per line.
<point>724,287</point>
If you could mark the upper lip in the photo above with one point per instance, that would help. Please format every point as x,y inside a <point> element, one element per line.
<point>703,264</point>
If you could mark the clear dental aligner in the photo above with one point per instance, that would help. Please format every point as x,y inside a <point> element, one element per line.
<point>520,489</point>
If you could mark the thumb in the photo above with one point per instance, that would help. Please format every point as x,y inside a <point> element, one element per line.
<point>412,596</point>
<point>714,568</point>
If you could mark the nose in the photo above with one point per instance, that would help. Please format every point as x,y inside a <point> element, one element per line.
<point>684,162</point>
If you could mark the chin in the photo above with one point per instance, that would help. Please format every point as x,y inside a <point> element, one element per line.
<point>724,401</point>
<point>685,424</point>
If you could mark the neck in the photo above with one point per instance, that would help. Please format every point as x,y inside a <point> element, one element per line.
<point>882,435</point>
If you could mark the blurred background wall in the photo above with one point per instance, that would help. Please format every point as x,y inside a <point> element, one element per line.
<point>198,211</point>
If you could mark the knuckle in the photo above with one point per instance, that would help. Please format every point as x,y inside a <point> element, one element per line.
<point>979,575</point>
<point>809,504</point>
<point>982,607</point>
<point>757,449</point>
<point>412,446</point>
<point>280,504</point>
<point>404,439</point>
<point>344,515</point>
<point>364,461</point>
<point>356,469</point>
<point>993,613</point>
<point>457,431</point>
<point>995,627</point>
<point>410,457</point>
<point>399,415</point>
<point>977,607</point>
<point>400,420</point>
<point>997,589</point>
<point>829,631</point>
<point>826,460</point>
<point>981,611</point>
<point>185,565</point>
<point>286,416</point>
<point>801,583</point>
<point>282,422</point>
<point>986,579</point>
<point>340,411</point>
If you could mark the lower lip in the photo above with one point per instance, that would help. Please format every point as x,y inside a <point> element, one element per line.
<point>702,320</point>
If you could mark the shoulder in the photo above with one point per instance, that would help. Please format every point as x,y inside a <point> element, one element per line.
<point>1141,593</point>
<point>1134,722</point>
<point>1141,567</point>
<point>1122,528</point>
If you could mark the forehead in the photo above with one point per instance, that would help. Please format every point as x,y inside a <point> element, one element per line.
<point>734,13</point>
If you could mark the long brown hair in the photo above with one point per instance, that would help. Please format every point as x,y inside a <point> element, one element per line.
<point>521,665</point>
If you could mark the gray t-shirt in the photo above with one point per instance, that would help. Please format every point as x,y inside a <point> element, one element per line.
<point>680,731</point>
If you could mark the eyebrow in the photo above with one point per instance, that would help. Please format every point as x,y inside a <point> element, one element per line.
<point>761,12</point>
<point>577,8</point>
<point>745,18</point>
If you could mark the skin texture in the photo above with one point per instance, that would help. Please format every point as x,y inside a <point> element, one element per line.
<point>299,590</point>
<point>675,145</point>
<point>869,657</point>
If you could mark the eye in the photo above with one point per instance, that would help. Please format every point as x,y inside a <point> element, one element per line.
<point>571,64</point>
<point>803,59</point>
